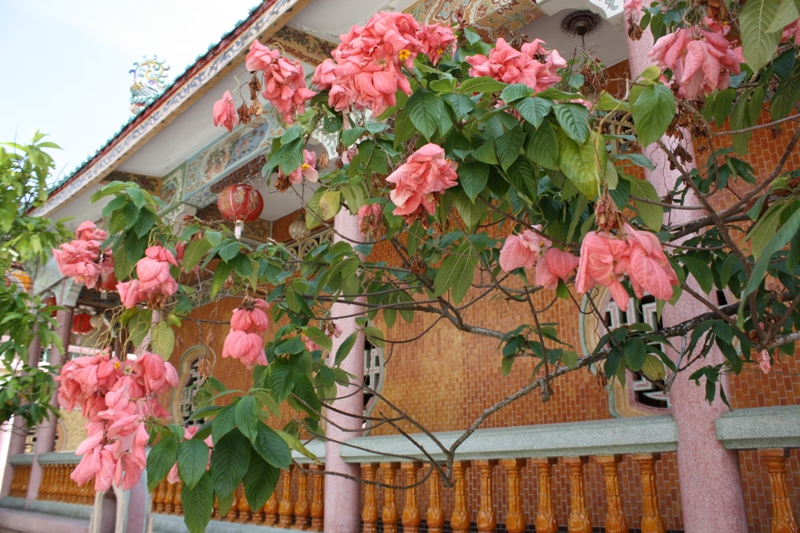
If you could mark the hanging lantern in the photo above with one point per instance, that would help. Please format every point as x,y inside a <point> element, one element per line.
<point>298,229</point>
<point>239,204</point>
<point>108,282</point>
<point>51,301</point>
<point>82,324</point>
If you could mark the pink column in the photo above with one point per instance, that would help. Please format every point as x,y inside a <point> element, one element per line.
<point>46,435</point>
<point>342,496</point>
<point>711,483</point>
<point>18,429</point>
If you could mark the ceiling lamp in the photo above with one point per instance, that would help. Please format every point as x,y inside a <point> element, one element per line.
<point>240,203</point>
<point>580,23</point>
<point>298,229</point>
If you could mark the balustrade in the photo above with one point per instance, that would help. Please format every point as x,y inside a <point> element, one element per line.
<point>19,481</point>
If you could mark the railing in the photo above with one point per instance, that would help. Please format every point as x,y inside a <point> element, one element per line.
<point>57,485</point>
<point>21,475</point>
<point>297,503</point>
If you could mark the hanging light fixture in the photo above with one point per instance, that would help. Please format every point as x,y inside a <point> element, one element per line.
<point>240,203</point>
<point>298,229</point>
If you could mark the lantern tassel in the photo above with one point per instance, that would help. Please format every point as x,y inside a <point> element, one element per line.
<point>238,228</point>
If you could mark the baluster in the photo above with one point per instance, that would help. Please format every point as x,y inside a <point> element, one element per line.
<point>782,516</point>
<point>55,492</point>
<point>271,509</point>
<point>26,479</point>
<point>158,496</point>
<point>169,498</point>
<point>545,515</point>
<point>369,511</point>
<point>286,507</point>
<point>50,486</point>
<point>44,483</point>
<point>411,517</point>
<point>615,517</point>
<point>317,498</point>
<point>459,520</point>
<point>515,519</point>
<point>579,521</point>
<point>389,513</point>
<point>651,516</point>
<point>487,520</point>
<point>63,486</point>
<point>215,515</point>
<point>301,508</point>
<point>233,512</point>
<point>435,516</point>
<point>177,502</point>
<point>72,487</point>
<point>257,516</point>
<point>87,493</point>
<point>16,481</point>
<point>243,507</point>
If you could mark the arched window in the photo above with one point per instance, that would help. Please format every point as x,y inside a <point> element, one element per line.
<point>191,379</point>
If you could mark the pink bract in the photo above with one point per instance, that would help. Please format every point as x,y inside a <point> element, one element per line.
<point>225,112</point>
<point>509,65</point>
<point>424,173</point>
<point>247,347</point>
<point>259,57</point>
<point>307,169</point>
<point>521,250</point>
<point>554,265</point>
<point>437,40</point>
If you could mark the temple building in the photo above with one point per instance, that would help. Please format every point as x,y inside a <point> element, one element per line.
<point>595,455</point>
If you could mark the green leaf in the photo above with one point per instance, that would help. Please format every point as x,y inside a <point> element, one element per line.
<point>194,253</point>
<point>456,273</point>
<point>635,353</point>
<point>137,196</point>
<point>482,84</point>
<point>461,103</point>
<point>651,215</point>
<point>758,41</point>
<point>653,111</point>
<point>289,346</point>
<point>763,231</point>
<point>542,146</point>
<point>701,272</point>
<point>260,481</point>
<point>583,165</point>
<point>534,110</point>
<point>246,416</point>
<point>229,251</point>
<point>220,276</point>
<point>473,176</point>
<point>471,212</point>
<point>574,119</point>
<point>424,109</point>
<point>281,379</point>
<point>329,204</point>
<point>192,461</point>
<point>508,147</point>
<point>163,340</point>
<point>139,325</point>
<point>344,349</point>
<point>223,423</point>
<point>304,390</point>
<point>160,461</point>
<point>485,153</point>
<point>787,95</point>
<point>653,368</point>
<point>229,462</point>
<point>130,213</point>
<point>788,11</point>
<point>272,448</point>
<point>144,223</point>
<point>514,92</point>
<point>781,239</point>
<point>198,504</point>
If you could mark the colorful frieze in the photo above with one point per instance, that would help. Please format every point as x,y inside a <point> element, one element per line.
<point>494,18</point>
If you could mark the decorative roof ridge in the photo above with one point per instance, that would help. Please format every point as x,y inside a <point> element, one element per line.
<point>170,89</point>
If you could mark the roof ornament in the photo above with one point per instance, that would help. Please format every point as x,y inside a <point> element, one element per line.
<point>148,82</point>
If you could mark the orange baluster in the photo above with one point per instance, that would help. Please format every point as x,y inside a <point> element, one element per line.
<point>233,512</point>
<point>545,515</point>
<point>515,519</point>
<point>317,498</point>
<point>411,517</point>
<point>487,520</point>
<point>44,487</point>
<point>73,490</point>
<point>286,507</point>
<point>257,516</point>
<point>243,507</point>
<point>435,516</point>
<point>301,507</point>
<point>615,517</point>
<point>651,516</point>
<point>177,502</point>
<point>271,509</point>
<point>579,521</point>
<point>55,493</point>
<point>169,499</point>
<point>63,485</point>
<point>87,493</point>
<point>215,515</point>
<point>158,496</point>
<point>459,520</point>
<point>369,509</point>
<point>782,516</point>
<point>389,514</point>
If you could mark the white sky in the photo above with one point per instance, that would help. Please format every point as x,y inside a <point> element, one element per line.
<point>65,62</point>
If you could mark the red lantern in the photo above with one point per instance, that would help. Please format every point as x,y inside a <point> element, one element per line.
<point>51,302</point>
<point>81,324</point>
<point>239,204</point>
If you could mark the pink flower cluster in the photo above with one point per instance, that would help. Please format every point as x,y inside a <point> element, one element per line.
<point>605,259</point>
<point>424,174</point>
<point>81,258</point>
<point>791,31</point>
<point>365,71</point>
<point>155,283</point>
<point>701,60</point>
<point>632,7</point>
<point>115,398</point>
<point>528,249</point>
<point>284,80</point>
<point>244,341</point>
<point>188,433</point>
<point>225,112</point>
<point>532,65</point>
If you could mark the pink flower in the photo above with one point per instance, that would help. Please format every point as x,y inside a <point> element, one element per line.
<point>649,269</point>
<point>153,272</point>
<point>247,347</point>
<point>80,259</point>
<point>310,345</point>
<point>260,57</point>
<point>509,65</point>
<point>324,75</point>
<point>436,40</point>
<point>129,293</point>
<point>522,250</point>
<point>225,112</point>
<point>701,60</point>
<point>154,374</point>
<point>764,361</point>
<point>425,173</point>
<point>251,321</point>
<point>790,31</point>
<point>599,261</point>
<point>555,264</point>
<point>632,7</point>
<point>307,170</point>
<point>88,231</point>
<point>368,210</point>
